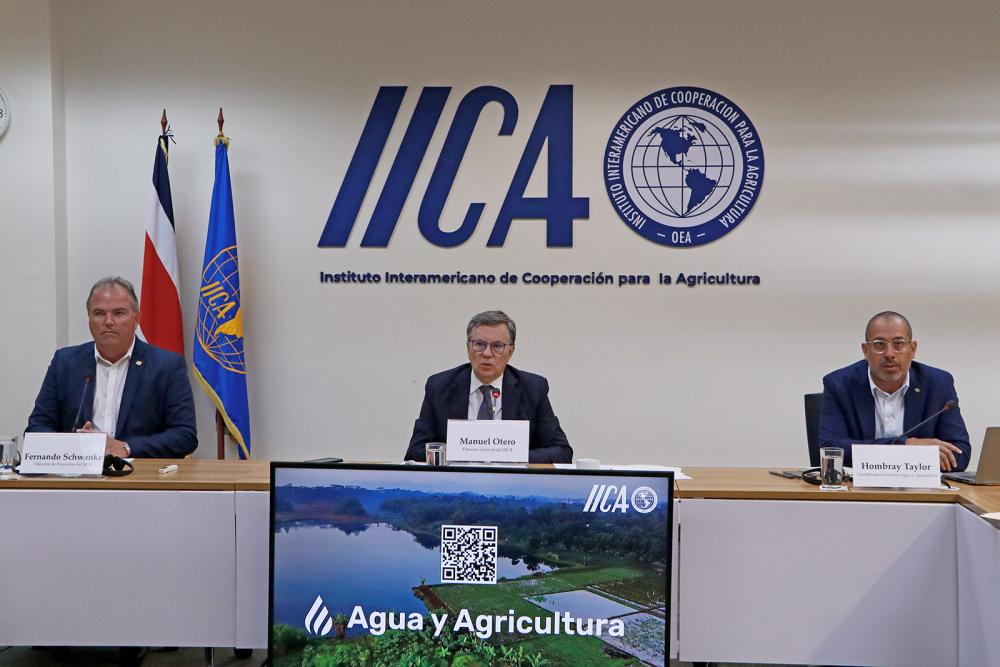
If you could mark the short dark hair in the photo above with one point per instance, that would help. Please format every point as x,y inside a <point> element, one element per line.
<point>120,282</point>
<point>492,318</point>
<point>888,315</point>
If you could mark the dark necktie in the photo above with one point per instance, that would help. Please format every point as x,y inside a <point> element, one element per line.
<point>486,409</point>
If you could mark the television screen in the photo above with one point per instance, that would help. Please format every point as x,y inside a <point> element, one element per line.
<point>390,565</point>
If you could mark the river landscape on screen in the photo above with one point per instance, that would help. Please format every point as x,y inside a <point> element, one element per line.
<point>454,567</point>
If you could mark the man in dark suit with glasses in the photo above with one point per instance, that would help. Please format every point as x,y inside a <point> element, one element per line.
<point>488,388</point>
<point>878,399</point>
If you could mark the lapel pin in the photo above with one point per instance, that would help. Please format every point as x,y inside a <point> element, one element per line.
<point>916,389</point>
<point>139,363</point>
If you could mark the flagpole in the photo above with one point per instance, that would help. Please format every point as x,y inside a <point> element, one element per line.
<point>220,436</point>
<point>220,423</point>
<point>163,122</point>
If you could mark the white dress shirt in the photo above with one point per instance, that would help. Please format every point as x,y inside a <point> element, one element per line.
<point>888,408</point>
<point>109,384</point>
<point>476,397</point>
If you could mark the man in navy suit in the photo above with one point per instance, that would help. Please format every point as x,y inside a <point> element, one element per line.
<point>876,400</point>
<point>137,394</point>
<point>487,388</point>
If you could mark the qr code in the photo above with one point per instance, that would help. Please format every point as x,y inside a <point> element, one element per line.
<point>468,554</point>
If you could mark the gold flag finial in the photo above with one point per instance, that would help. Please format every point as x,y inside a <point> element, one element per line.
<point>221,136</point>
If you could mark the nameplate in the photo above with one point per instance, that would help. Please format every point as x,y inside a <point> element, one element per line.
<point>898,466</point>
<point>488,440</point>
<point>69,454</point>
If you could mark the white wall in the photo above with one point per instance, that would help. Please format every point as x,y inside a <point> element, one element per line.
<point>880,124</point>
<point>28,221</point>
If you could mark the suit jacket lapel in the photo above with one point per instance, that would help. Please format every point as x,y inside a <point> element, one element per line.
<point>136,365</point>
<point>913,402</point>
<point>511,399</point>
<point>866,403</point>
<point>458,400</point>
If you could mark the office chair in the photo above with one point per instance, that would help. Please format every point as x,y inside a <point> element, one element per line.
<point>813,405</point>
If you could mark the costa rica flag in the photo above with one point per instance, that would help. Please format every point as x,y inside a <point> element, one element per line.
<point>159,302</point>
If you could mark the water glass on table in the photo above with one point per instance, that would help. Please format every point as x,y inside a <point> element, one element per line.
<point>436,453</point>
<point>831,469</point>
<point>8,456</point>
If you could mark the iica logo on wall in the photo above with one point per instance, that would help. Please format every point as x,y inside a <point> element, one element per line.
<point>611,498</point>
<point>551,137</point>
<point>683,166</point>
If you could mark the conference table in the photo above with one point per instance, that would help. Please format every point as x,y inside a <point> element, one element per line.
<point>776,570</point>
<point>149,560</point>
<point>765,569</point>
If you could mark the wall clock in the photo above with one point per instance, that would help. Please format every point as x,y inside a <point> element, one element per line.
<point>4,112</point>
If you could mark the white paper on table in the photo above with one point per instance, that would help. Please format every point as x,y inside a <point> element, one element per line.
<point>678,473</point>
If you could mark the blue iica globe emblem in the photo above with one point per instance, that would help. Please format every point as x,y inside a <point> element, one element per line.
<point>220,318</point>
<point>683,166</point>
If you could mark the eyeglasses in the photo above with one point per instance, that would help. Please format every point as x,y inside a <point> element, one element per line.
<point>479,346</point>
<point>880,346</point>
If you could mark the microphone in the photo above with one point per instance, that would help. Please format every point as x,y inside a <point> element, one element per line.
<point>87,379</point>
<point>496,396</point>
<point>950,405</point>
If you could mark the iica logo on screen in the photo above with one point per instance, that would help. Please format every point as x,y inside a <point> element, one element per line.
<point>612,498</point>
<point>683,167</point>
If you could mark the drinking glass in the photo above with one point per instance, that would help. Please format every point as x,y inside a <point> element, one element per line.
<point>831,469</point>
<point>435,452</point>
<point>8,456</point>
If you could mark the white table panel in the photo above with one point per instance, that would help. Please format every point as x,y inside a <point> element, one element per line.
<point>92,568</point>
<point>252,550</point>
<point>818,582</point>
<point>672,654</point>
<point>978,590</point>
